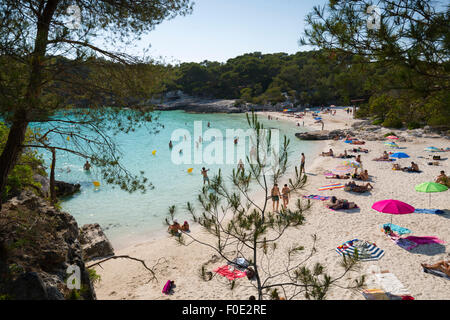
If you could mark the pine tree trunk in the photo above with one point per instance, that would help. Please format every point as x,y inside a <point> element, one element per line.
<point>52,177</point>
<point>12,151</point>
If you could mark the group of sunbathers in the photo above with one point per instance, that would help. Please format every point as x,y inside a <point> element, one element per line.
<point>337,204</point>
<point>413,168</point>
<point>352,186</point>
<point>175,228</point>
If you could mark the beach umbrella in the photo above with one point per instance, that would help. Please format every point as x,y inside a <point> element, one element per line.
<point>430,187</point>
<point>352,163</point>
<point>366,251</point>
<point>392,137</point>
<point>400,155</point>
<point>342,170</point>
<point>393,207</point>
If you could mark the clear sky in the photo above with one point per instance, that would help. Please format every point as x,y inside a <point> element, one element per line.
<point>218,30</point>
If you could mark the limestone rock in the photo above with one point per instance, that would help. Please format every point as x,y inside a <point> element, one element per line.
<point>94,242</point>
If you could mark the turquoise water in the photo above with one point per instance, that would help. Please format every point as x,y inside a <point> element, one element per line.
<point>129,218</point>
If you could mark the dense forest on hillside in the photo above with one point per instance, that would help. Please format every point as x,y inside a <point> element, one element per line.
<point>394,96</point>
<point>308,78</point>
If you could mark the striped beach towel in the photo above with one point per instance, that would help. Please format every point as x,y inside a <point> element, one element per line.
<point>331,186</point>
<point>316,197</point>
<point>366,251</point>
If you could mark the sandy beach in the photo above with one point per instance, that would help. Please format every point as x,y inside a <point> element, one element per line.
<point>125,279</point>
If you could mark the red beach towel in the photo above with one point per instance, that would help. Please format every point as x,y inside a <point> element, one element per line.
<point>230,275</point>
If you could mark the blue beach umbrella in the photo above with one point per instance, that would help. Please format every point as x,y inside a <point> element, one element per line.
<point>400,155</point>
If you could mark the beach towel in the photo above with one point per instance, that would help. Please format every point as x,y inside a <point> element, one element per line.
<point>404,243</point>
<point>424,240</point>
<point>382,160</point>
<point>375,294</point>
<point>356,207</point>
<point>395,228</point>
<point>331,186</point>
<point>429,211</point>
<point>230,273</point>
<point>436,273</point>
<point>316,197</point>
<point>391,284</point>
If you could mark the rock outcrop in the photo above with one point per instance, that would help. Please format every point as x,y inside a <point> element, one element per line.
<point>38,243</point>
<point>94,242</point>
<point>323,135</point>
<point>65,189</point>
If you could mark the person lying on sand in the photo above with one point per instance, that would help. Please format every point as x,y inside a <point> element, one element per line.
<point>443,266</point>
<point>352,186</point>
<point>337,204</point>
<point>357,142</point>
<point>327,154</point>
<point>344,155</point>
<point>384,157</point>
<point>396,166</point>
<point>359,149</point>
<point>337,176</point>
<point>414,168</point>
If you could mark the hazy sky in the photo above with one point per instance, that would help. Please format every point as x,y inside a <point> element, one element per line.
<point>218,30</point>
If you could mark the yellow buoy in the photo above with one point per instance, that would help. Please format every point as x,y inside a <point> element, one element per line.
<point>190,170</point>
<point>154,152</point>
<point>68,138</point>
<point>96,183</point>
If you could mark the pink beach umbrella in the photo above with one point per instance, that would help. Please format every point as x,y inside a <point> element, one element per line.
<point>393,207</point>
<point>392,137</point>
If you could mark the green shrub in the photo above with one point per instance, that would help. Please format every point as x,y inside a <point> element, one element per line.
<point>390,134</point>
<point>413,125</point>
<point>393,122</point>
<point>377,122</point>
<point>93,276</point>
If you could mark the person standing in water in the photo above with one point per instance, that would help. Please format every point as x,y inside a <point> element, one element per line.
<point>170,144</point>
<point>275,194</point>
<point>241,165</point>
<point>209,125</point>
<point>205,175</point>
<point>87,166</point>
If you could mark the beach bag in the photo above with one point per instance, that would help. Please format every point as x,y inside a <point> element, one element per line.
<point>436,157</point>
<point>167,287</point>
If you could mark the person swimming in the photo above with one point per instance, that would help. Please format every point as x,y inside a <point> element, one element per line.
<point>87,166</point>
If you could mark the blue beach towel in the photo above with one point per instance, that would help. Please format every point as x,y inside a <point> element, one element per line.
<point>429,211</point>
<point>397,229</point>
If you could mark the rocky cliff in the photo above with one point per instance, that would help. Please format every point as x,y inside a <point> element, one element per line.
<point>38,243</point>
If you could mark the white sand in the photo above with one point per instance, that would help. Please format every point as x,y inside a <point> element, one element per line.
<point>125,279</point>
